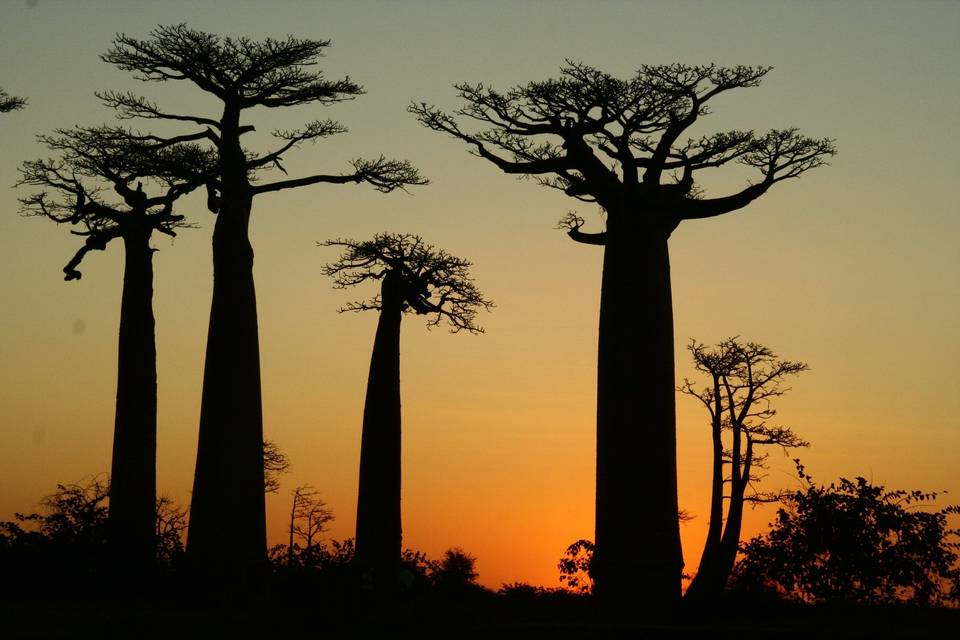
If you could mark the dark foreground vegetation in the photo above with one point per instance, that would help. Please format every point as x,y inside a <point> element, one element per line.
<point>872,565</point>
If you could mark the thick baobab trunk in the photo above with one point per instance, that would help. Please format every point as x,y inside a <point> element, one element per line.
<point>133,483</point>
<point>637,559</point>
<point>378,504</point>
<point>227,532</point>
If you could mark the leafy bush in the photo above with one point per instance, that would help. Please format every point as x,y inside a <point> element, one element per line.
<point>574,567</point>
<point>857,543</point>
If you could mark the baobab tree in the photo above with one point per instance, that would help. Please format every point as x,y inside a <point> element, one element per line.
<point>414,277</point>
<point>617,143</point>
<point>240,74</point>
<point>74,190</point>
<point>10,103</point>
<point>744,379</point>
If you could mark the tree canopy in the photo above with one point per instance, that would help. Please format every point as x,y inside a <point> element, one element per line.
<point>91,184</point>
<point>856,542</point>
<point>245,73</point>
<point>592,136</point>
<point>435,284</point>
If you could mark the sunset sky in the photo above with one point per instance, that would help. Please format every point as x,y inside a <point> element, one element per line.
<point>853,268</point>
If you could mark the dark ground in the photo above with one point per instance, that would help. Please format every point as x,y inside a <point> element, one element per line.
<point>476,614</point>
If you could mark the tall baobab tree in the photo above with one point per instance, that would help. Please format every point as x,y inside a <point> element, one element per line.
<point>617,143</point>
<point>240,74</point>
<point>10,103</point>
<point>75,190</point>
<point>414,277</point>
<point>744,378</point>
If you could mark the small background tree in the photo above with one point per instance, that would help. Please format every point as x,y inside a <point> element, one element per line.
<point>743,380</point>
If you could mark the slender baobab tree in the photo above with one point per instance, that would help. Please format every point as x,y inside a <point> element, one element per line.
<point>227,520</point>
<point>617,143</point>
<point>75,189</point>
<point>414,277</point>
<point>744,379</point>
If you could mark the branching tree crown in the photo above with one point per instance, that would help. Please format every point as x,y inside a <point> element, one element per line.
<point>75,188</point>
<point>745,377</point>
<point>245,73</point>
<point>434,283</point>
<point>619,142</point>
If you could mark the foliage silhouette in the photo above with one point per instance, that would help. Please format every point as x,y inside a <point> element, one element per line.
<point>617,143</point>
<point>744,378</point>
<point>67,541</point>
<point>455,572</point>
<point>574,567</point>
<point>10,103</point>
<point>414,277</point>
<point>240,74</point>
<point>75,189</point>
<point>275,464</point>
<point>854,542</point>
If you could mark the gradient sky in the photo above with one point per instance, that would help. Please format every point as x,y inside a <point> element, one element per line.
<point>853,268</point>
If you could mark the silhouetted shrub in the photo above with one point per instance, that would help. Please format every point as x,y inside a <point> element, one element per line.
<point>574,567</point>
<point>455,571</point>
<point>66,540</point>
<point>857,543</point>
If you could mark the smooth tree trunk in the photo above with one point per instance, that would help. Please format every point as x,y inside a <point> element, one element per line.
<point>227,534</point>
<point>717,562</point>
<point>703,585</point>
<point>133,485</point>
<point>637,558</point>
<point>379,533</point>
<point>730,545</point>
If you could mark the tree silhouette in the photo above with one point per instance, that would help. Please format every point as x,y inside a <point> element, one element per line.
<point>240,74</point>
<point>856,542</point>
<point>73,192</point>
<point>455,571</point>
<point>744,379</point>
<point>10,103</point>
<point>309,516</point>
<point>170,532</point>
<point>413,277</point>
<point>275,464</point>
<point>574,566</point>
<point>617,143</point>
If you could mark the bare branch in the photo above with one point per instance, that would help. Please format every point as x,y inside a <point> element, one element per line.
<point>571,222</point>
<point>129,105</point>
<point>385,175</point>
<point>312,132</point>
